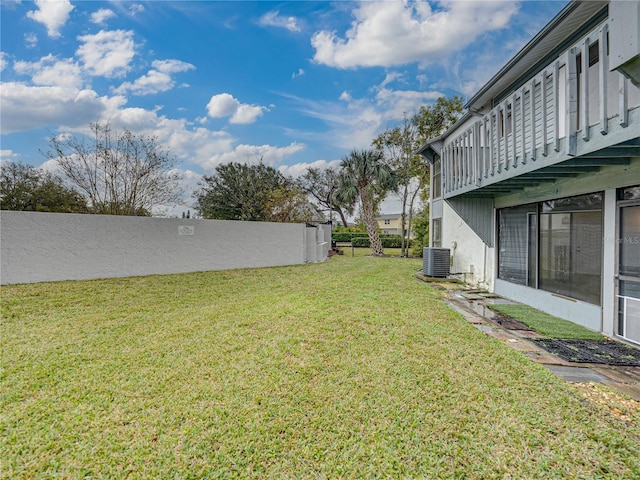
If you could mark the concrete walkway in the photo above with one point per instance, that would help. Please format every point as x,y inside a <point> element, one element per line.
<point>472,304</point>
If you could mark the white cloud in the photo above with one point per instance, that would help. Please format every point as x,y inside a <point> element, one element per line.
<point>3,61</point>
<point>156,80</point>
<point>273,19</point>
<point>49,71</point>
<point>355,122</point>
<point>29,107</point>
<point>107,53</point>
<point>53,14</point>
<point>172,66</point>
<point>100,17</point>
<point>136,8</point>
<point>30,40</point>
<point>7,155</point>
<point>225,105</point>
<point>298,169</point>
<point>252,154</point>
<point>299,73</point>
<point>396,33</point>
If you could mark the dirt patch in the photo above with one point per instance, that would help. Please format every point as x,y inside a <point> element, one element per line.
<point>618,405</point>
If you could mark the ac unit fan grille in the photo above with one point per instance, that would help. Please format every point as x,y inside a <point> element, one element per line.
<point>435,262</point>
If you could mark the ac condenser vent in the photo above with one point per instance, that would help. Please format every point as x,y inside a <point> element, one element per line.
<point>435,262</point>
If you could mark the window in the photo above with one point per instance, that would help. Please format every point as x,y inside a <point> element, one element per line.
<point>554,246</point>
<point>514,235</point>
<point>571,247</point>
<point>436,182</point>
<point>436,232</point>
<point>387,221</point>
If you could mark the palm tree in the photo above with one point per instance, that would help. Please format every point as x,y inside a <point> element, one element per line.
<point>364,174</point>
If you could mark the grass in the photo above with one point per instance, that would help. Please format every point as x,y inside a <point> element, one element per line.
<point>545,324</point>
<point>345,369</point>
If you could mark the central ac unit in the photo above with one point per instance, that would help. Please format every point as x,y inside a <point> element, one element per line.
<point>435,262</point>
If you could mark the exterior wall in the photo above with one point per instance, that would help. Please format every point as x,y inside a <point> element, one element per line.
<point>582,313</point>
<point>38,247</point>
<point>601,318</point>
<point>472,259</point>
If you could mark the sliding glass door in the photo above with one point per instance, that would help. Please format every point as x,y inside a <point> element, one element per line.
<point>629,263</point>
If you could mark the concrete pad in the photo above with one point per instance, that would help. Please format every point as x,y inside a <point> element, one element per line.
<point>485,328</point>
<point>577,374</point>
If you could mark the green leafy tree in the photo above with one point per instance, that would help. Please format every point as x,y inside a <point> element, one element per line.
<point>364,176</point>
<point>252,192</point>
<point>119,172</point>
<point>421,230</point>
<point>321,186</point>
<point>400,145</point>
<point>23,187</point>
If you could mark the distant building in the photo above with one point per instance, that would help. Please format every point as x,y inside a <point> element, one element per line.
<point>391,223</point>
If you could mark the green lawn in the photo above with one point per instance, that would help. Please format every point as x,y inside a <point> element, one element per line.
<point>346,369</point>
<point>545,324</point>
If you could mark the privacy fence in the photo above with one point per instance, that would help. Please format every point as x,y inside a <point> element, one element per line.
<point>39,247</point>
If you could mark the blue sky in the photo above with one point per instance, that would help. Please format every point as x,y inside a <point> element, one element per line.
<point>294,83</point>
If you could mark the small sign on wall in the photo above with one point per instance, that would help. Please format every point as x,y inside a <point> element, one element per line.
<point>186,230</point>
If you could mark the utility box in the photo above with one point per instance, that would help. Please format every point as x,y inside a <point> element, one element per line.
<point>436,261</point>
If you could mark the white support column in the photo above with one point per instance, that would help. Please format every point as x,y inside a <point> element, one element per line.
<point>609,303</point>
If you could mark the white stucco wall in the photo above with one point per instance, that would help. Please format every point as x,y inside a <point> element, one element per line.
<point>471,257</point>
<point>37,247</point>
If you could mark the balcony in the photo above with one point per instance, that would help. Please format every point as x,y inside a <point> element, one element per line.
<point>572,117</point>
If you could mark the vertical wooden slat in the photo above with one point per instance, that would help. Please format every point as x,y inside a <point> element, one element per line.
<point>543,123</point>
<point>502,139</point>
<point>532,114</point>
<point>478,153</point>
<point>571,107</point>
<point>556,107</point>
<point>513,130</point>
<point>465,158</point>
<point>624,111</point>
<point>584,91</point>
<point>523,139</point>
<point>493,153</point>
<point>447,167</point>
<point>603,75</point>
<point>485,147</point>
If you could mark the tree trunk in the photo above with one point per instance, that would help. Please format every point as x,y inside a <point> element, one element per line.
<point>403,222</point>
<point>372,226</point>
<point>342,217</point>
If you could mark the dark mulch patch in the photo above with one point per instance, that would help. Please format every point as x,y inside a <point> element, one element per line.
<point>605,352</point>
<point>510,323</point>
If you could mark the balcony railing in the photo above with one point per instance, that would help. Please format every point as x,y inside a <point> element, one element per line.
<point>572,107</point>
